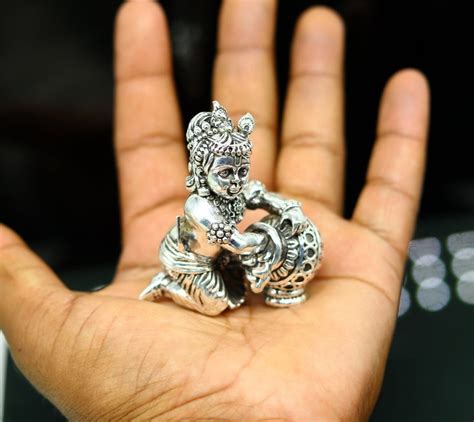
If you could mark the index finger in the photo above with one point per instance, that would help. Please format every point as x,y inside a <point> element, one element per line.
<point>149,141</point>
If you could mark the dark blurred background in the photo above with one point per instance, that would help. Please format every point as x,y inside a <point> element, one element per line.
<point>57,174</point>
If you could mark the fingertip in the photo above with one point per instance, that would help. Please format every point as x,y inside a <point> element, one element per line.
<point>142,43</point>
<point>318,45</point>
<point>405,104</point>
<point>139,13</point>
<point>244,24</point>
<point>321,19</point>
<point>411,81</point>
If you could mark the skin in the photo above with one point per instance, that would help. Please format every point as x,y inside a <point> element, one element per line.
<point>107,356</point>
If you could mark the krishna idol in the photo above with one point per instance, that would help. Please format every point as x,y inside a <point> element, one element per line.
<point>208,262</point>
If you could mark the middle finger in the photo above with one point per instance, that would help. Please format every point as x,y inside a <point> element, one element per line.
<point>244,75</point>
<point>312,132</point>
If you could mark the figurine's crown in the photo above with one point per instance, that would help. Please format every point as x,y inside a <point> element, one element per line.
<point>214,131</point>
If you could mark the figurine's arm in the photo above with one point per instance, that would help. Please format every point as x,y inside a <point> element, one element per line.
<point>244,243</point>
<point>257,196</point>
<point>220,231</point>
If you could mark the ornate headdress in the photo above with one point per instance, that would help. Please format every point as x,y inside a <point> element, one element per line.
<point>212,134</point>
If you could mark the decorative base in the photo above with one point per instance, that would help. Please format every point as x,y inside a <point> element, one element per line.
<point>284,298</point>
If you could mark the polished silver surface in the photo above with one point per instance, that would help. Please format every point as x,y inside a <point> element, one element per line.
<point>207,261</point>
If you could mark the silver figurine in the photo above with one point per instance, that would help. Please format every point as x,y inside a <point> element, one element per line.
<point>208,262</point>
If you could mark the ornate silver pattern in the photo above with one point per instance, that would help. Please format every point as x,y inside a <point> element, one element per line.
<point>220,233</point>
<point>207,262</point>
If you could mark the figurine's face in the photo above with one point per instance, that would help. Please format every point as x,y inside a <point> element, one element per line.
<point>228,175</point>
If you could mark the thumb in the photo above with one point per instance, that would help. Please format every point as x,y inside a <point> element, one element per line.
<point>33,305</point>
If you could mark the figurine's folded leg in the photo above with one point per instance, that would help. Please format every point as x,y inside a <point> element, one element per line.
<point>236,297</point>
<point>176,292</point>
<point>206,290</point>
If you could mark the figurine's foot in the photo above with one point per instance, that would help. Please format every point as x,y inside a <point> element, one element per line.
<point>155,289</point>
<point>236,294</point>
<point>235,301</point>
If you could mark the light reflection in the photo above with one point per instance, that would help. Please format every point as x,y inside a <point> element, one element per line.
<point>405,302</point>
<point>427,260</point>
<point>433,294</point>
<point>465,288</point>
<point>428,268</point>
<point>429,272</point>
<point>461,266</point>
<point>464,253</point>
<point>459,241</point>
<point>423,247</point>
<point>461,247</point>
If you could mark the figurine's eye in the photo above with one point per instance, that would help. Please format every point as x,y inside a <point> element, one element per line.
<point>243,171</point>
<point>224,173</point>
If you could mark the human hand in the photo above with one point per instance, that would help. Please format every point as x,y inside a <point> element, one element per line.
<point>108,356</point>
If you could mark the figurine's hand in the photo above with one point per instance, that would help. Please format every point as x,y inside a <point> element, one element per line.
<point>259,260</point>
<point>108,356</point>
<point>250,258</point>
<point>253,194</point>
<point>296,218</point>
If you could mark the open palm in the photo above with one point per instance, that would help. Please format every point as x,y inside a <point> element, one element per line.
<point>108,356</point>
